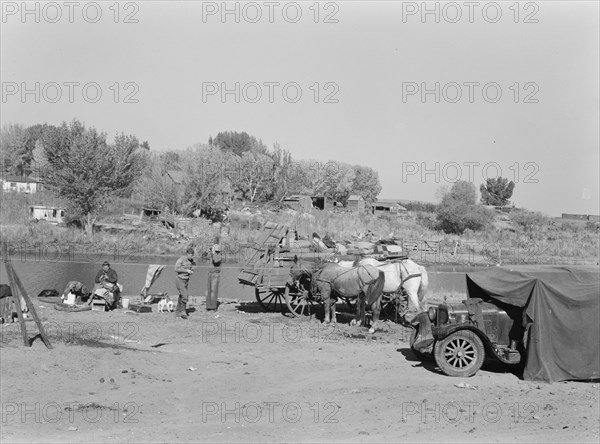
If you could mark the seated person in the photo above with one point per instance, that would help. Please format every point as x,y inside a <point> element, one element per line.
<point>106,285</point>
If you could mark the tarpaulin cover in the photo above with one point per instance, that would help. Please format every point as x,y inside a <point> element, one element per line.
<point>152,275</point>
<point>562,303</point>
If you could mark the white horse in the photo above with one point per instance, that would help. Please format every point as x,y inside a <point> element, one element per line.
<point>403,273</point>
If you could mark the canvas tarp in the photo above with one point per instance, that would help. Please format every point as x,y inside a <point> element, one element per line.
<point>562,303</point>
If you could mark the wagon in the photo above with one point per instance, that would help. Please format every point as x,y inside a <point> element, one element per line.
<point>267,271</point>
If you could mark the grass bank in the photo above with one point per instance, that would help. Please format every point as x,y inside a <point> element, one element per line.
<point>524,238</point>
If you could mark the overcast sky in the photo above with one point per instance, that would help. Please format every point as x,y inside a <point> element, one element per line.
<point>517,86</point>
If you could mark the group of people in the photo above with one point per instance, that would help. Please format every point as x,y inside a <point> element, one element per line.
<point>184,270</point>
<point>107,286</point>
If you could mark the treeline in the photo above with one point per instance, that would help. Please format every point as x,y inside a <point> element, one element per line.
<point>235,166</point>
<point>82,166</point>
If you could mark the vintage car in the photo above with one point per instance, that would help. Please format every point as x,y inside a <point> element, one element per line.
<point>461,335</point>
<point>544,318</point>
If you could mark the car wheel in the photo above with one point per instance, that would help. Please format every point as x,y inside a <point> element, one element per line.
<point>460,354</point>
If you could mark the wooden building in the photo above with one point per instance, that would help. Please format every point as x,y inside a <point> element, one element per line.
<point>54,215</point>
<point>391,207</point>
<point>299,202</point>
<point>356,203</point>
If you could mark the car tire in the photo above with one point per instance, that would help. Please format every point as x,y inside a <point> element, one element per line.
<point>460,354</point>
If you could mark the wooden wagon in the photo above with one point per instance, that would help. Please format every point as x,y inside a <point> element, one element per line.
<point>268,271</point>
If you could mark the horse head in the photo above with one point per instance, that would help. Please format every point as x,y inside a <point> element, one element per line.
<point>301,269</point>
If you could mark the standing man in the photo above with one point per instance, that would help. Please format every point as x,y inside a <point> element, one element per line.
<point>214,275</point>
<point>183,269</point>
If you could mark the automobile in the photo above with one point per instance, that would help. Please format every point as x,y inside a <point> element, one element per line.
<point>542,318</point>
<point>463,334</point>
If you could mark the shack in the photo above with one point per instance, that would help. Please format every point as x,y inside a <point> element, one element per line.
<point>54,215</point>
<point>322,203</point>
<point>585,217</point>
<point>299,202</point>
<point>21,184</point>
<point>391,207</point>
<point>356,203</point>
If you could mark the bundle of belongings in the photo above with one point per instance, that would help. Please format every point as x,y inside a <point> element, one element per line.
<point>75,293</point>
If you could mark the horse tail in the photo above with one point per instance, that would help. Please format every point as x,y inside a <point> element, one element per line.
<point>423,287</point>
<point>375,288</point>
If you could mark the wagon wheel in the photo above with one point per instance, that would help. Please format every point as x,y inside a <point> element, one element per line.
<point>394,306</point>
<point>350,303</point>
<point>270,299</point>
<point>300,301</point>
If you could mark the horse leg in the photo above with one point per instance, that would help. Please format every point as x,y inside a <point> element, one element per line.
<point>376,308</point>
<point>326,296</point>
<point>332,308</point>
<point>360,310</point>
<point>413,295</point>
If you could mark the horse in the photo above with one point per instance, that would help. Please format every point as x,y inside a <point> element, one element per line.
<point>364,281</point>
<point>403,273</point>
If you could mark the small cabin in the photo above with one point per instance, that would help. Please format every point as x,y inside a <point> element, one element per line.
<point>356,204</point>
<point>151,213</point>
<point>21,184</point>
<point>322,203</point>
<point>54,215</point>
<point>299,202</point>
<point>388,207</point>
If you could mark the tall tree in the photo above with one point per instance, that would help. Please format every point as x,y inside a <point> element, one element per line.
<point>209,173</point>
<point>463,191</point>
<point>282,160</point>
<point>366,184</point>
<point>256,176</point>
<point>496,191</point>
<point>86,170</point>
<point>238,143</point>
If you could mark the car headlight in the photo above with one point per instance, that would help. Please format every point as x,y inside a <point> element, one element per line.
<point>432,314</point>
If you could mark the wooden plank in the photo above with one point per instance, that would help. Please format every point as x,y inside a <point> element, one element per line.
<point>16,299</point>
<point>31,308</point>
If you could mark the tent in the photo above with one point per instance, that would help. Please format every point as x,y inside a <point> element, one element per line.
<point>562,305</point>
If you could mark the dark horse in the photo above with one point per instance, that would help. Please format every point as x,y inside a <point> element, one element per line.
<point>329,280</point>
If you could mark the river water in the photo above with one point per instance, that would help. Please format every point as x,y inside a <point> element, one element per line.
<point>38,273</point>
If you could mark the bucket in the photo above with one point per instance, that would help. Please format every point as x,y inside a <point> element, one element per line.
<point>125,303</point>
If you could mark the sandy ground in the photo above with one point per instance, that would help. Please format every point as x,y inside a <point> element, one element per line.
<point>240,375</point>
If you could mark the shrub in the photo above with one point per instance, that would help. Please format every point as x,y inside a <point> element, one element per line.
<point>455,216</point>
<point>529,220</point>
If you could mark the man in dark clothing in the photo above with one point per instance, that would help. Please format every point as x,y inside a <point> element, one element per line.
<point>183,269</point>
<point>214,275</point>
<point>107,279</point>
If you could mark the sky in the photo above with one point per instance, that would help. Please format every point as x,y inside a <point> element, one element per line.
<point>423,93</point>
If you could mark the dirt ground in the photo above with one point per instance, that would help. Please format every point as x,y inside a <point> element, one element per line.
<point>241,375</point>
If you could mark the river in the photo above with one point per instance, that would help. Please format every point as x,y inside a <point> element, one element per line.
<point>38,273</point>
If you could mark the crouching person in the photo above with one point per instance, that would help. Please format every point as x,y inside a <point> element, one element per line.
<point>107,287</point>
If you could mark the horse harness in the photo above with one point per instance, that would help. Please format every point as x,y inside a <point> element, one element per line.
<point>409,276</point>
<point>316,278</point>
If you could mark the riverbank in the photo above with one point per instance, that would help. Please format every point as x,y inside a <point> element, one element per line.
<point>516,238</point>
